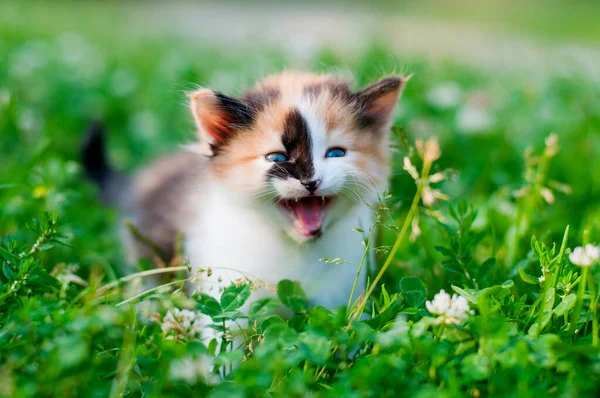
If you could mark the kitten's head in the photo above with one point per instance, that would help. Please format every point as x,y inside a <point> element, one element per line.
<point>303,148</point>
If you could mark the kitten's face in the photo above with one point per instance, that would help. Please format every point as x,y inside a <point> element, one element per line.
<point>303,149</point>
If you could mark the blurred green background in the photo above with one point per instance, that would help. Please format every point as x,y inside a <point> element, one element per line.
<point>491,79</point>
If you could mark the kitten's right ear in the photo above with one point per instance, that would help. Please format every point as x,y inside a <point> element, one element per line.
<point>217,117</point>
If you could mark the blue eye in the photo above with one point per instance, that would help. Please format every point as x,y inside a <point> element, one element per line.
<point>335,153</point>
<point>276,157</point>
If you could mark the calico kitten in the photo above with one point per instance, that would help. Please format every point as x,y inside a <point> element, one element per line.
<point>280,179</point>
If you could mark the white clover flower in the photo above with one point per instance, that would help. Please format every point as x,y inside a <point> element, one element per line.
<point>187,318</point>
<point>450,310</point>
<point>440,303</point>
<point>458,309</point>
<point>585,256</point>
<point>168,323</point>
<point>183,322</point>
<point>191,370</point>
<point>472,119</point>
<point>445,96</point>
<point>579,257</point>
<point>592,251</point>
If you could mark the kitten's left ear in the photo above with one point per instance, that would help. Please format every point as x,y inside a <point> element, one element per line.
<point>376,102</point>
<point>217,117</point>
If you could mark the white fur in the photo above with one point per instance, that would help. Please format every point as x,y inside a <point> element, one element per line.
<point>235,240</point>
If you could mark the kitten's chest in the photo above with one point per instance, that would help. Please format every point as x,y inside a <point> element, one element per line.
<point>236,243</point>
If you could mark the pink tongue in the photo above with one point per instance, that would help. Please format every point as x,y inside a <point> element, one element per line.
<point>308,211</point>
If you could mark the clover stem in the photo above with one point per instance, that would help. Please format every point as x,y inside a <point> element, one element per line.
<point>441,330</point>
<point>579,302</point>
<point>593,305</point>
<point>399,239</point>
<point>360,267</point>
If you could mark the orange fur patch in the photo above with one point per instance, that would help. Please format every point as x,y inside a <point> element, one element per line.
<point>333,103</point>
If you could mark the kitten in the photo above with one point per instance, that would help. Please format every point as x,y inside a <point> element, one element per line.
<point>280,179</point>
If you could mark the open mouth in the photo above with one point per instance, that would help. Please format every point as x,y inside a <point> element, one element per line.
<point>307,212</point>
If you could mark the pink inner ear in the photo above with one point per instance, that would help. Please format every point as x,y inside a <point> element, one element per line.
<point>210,120</point>
<point>216,126</point>
<point>383,106</point>
<point>380,109</point>
<point>379,100</point>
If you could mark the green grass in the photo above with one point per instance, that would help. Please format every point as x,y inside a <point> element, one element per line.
<point>70,327</point>
<point>550,20</point>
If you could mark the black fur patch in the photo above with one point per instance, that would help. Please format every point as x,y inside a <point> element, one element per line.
<point>367,117</point>
<point>336,88</point>
<point>259,99</point>
<point>238,113</point>
<point>229,116</point>
<point>298,144</point>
